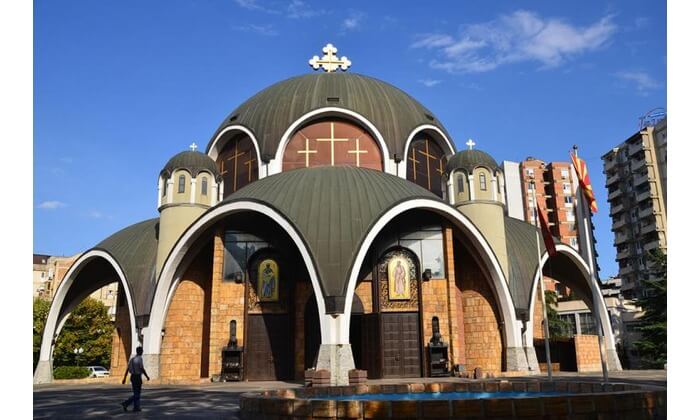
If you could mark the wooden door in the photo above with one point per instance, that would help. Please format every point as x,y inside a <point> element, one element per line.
<point>268,350</point>
<point>401,345</point>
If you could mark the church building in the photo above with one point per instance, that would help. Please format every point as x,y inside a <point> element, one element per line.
<point>332,224</point>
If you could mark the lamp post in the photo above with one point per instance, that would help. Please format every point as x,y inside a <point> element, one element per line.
<point>78,352</point>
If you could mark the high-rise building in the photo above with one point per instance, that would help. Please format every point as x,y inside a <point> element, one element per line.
<point>635,174</point>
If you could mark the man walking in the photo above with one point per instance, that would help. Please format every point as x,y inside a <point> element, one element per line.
<point>135,368</point>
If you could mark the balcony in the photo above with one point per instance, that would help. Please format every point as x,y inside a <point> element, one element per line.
<point>621,255</point>
<point>614,194</point>
<point>652,245</point>
<point>609,164</point>
<point>639,179</point>
<point>613,179</point>
<point>620,223</point>
<point>651,227</point>
<point>637,164</point>
<point>636,148</point>
<point>617,209</point>
<point>621,238</point>
<point>643,196</point>
<point>627,270</point>
<point>646,212</point>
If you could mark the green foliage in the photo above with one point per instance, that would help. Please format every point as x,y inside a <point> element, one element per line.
<point>652,345</point>
<point>90,328</point>
<point>558,328</point>
<point>41,311</point>
<point>70,372</point>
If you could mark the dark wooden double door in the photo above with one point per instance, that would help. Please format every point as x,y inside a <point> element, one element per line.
<point>391,345</point>
<point>269,353</point>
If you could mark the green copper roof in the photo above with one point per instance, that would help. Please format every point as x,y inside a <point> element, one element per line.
<point>522,260</point>
<point>135,248</point>
<point>470,159</point>
<point>271,111</point>
<point>332,209</point>
<point>193,162</point>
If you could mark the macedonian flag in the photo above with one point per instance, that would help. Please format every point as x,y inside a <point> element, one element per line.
<point>584,181</point>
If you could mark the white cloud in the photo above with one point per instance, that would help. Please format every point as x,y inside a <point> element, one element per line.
<point>266,30</point>
<point>642,80</point>
<point>353,21</point>
<point>518,37</point>
<point>429,82</point>
<point>95,214</point>
<point>51,205</point>
<point>255,5</point>
<point>298,9</point>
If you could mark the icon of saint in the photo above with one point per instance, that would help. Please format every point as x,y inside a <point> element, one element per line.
<point>399,279</point>
<point>268,281</point>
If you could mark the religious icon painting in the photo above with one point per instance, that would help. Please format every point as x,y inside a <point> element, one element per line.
<point>399,278</point>
<point>268,281</point>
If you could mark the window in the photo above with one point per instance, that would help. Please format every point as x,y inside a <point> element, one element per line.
<point>204,186</point>
<point>239,247</point>
<point>482,182</point>
<point>426,242</point>
<point>165,187</point>
<point>529,172</point>
<point>181,184</point>
<point>564,173</point>
<point>573,242</point>
<point>588,324</point>
<point>567,188</point>
<point>570,216</point>
<point>460,183</point>
<point>568,201</point>
<point>570,324</point>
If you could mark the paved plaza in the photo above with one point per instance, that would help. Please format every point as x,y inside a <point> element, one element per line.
<point>210,400</point>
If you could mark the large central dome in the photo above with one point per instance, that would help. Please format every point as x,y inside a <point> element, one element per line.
<point>271,111</point>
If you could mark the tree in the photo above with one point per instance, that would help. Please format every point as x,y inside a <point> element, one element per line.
<point>652,345</point>
<point>557,326</point>
<point>88,327</point>
<point>41,312</point>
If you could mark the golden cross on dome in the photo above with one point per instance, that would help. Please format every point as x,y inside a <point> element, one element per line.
<point>306,151</point>
<point>332,140</point>
<point>357,152</point>
<point>330,61</point>
<point>471,144</point>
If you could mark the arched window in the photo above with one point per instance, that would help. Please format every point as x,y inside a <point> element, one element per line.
<point>165,187</point>
<point>332,142</point>
<point>181,184</point>
<point>482,182</point>
<point>238,163</point>
<point>425,163</point>
<point>460,183</point>
<point>204,186</point>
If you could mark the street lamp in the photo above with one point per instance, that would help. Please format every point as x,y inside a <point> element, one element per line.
<point>78,352</point>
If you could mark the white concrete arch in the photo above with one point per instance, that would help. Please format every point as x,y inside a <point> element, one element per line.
<point>574,256</point>
<point>275,165</point>
<point>218,143</point>
<point>43,375</point>
<point>172,269</point>
<point>445,144</point>
<point>505,304</point>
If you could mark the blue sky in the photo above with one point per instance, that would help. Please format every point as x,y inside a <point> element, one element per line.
<point>119,87</point>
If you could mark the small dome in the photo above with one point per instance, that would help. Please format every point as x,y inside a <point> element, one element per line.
<point>470,159</point>
<point>192,162</point>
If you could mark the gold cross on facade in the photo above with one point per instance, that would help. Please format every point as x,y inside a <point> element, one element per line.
<point>250,162</point>
<point>332,140</point>
<point>414,160</point>
<point>234,157</point>
<point>428,156</point>
<point>306,151</point>
<point>330,61</point>
<point>357,152</point>
<point>440,169</point>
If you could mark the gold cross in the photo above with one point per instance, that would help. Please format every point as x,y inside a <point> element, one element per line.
<point>428,156</point>
<point>332,139</point>
<point>357,152</point>
<point>330,61</point>
<point>222,170</point>
<point>235,166</point>
<point>307,150</point>
<point>250,162</point>
<point>440,169</point>
<point>414,160</point>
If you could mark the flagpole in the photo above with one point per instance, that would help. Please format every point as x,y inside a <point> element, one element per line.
<point>542,296</point>
<point>592,279</point>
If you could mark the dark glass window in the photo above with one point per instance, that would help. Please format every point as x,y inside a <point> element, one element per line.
<point>587,322</point>
<point>460,183</point>
<point>239,247</point>
<point>482,182</point>
<point>181,184</point>
<point>204,186</point>
<point>165,187</point>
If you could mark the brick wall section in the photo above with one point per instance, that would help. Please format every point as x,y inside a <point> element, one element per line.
<point>587,353</point>
<point>227,303</point>
<point>121,339</point>
<point>482,338</point>
<point>435,304</point>
<point>303,292</point>
<point>363,290</point>
<point>456,314</point>
<point>185,332</point>
<point>537,316</point>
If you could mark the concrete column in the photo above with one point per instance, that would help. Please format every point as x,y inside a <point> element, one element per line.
<point>160,192</point>
<point>494,188</point>
<point>516,360</point>
<point>169,191</point>
<point>213,193</point>
<point>193,189</point>
<point>44,372</point>
<point>336,358</point>
<point>450,191</point>
<point>533,364</point>
<point>151,362</point>
<point>471,187</point>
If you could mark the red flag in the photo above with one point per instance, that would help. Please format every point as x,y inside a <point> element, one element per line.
<point>546,234</point>
<point>584,181</point>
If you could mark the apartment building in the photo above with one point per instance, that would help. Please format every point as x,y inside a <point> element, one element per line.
<point>635,173</point>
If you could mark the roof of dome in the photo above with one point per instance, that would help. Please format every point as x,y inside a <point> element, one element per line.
<point>270,112</point>
<point>333,208</point>
<point>470,159</point>
<point>192,162</point>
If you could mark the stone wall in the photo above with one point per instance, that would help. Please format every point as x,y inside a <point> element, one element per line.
<point>482,337</point>
<point>121,337</point>
<point>455,324</point>
<point>227,303</point>
<point>434,295</point>
<point>363,290</point>
<point>185,344</point>
<point>587,353</point>
<point>537,316</point>
<point>303,293</point>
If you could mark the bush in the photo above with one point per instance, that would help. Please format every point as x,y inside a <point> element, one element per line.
<point>70,372</point>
